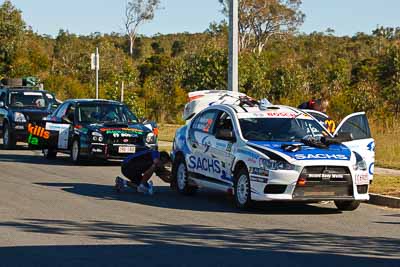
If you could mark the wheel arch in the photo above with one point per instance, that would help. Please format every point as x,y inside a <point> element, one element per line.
<point>239,165</point>
<point>73,138</point>
<point>177,155</point>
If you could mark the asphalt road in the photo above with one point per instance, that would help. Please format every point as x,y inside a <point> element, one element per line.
<point>56,214</point>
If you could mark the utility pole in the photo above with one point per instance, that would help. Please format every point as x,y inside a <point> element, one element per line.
<point>97,72</point>
<point>233,69</point>
<point>122,91</point>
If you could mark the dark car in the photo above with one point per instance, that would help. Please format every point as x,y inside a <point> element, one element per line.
<point>19,107</point>
<point>104,129</point>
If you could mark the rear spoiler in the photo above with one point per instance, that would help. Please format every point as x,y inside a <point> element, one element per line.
<point>199,100</point>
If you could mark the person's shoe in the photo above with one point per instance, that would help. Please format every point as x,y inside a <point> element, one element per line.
<point>143,189</point>
<point>150,188</point>
<point>120,184</point>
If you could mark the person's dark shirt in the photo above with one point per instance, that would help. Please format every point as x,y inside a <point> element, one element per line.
<point>136,164</point>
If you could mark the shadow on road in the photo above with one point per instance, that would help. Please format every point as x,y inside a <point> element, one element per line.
<point>206,201</point>
<point>62,160</point>
<point>197,245</point>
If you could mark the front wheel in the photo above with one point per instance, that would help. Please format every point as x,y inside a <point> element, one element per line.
<point>75,152</point>
<point>8,139</point>
<point>242,194</point>
<point>181,178</point>
<point>347,205</point>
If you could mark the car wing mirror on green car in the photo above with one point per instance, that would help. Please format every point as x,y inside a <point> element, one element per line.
<point>66,120</point>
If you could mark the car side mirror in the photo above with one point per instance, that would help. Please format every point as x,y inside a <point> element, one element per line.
<point>2,104</point>
<point>143,120</point>
<point>66,120</point>
<point>344,137</point>
<point>54,106</point>
<point>225,134</point>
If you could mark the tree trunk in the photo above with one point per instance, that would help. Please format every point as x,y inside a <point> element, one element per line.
<point>132,40</point>
<point>260,48</point>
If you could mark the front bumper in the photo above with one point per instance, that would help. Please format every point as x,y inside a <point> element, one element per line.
<point>284,186</point>
<point>111,151</point>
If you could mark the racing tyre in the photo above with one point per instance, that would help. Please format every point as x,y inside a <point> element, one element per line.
<point>49,153</point>
<point>75,154</point>
<point>180,177</point>
<point>242,189</point>
<point>9,141</point>
<point>347,205</point>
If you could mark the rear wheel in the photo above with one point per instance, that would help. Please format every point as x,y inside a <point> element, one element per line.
<point>347,205</point>
<point>242,194</point>
<point>181,177</point>
<point>75,152</point>
<point>9,141</point>
<point>49,153</point>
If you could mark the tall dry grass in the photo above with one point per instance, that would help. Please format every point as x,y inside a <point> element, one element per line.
<point>387,139</point>
<point>167,131</point>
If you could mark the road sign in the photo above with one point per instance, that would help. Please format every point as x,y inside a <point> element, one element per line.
<point>95,62</point>
<point>95,65</point>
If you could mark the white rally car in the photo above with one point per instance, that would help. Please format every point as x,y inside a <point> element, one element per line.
<point>271,153</point>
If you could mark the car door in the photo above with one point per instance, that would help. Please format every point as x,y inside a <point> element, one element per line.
<point>362,143</point>
<point>199,141</point>
<point>63,128</point>
<point>222,146</point>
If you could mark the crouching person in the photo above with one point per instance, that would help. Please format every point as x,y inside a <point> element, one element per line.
<point>140,167</point>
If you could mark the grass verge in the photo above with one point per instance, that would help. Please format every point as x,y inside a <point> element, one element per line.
<point>167,131</point>
<point>386,185</point>
<point>387,144</point>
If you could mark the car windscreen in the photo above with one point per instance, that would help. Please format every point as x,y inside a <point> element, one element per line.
<point>104,112</point>
<point>280,129</point>
<point>27,99</point>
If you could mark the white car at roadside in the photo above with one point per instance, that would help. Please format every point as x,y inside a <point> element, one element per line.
<point>272,153</point>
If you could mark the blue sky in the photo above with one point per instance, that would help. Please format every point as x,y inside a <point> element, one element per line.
<point>346,17</point>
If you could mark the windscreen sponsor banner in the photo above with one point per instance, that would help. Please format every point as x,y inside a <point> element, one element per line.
<point>274,115</point>
<point>63,133</point>
<point>33,93</point>
<point>334,152</point>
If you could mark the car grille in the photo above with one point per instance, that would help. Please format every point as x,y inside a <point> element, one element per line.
<point>324,182</point>
<point>124,140</point>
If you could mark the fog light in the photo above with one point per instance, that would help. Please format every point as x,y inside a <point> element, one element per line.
<point>302,182</point>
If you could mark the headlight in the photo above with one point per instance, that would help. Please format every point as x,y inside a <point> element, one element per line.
<point>361,164</point>
<point>269,164</point>
<point>97,137</point>
<point>150,138</point>
<point>19,117</point>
